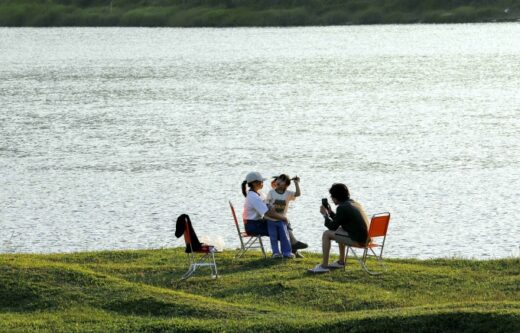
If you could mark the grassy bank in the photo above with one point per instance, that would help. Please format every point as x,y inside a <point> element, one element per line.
<point>140,291</point>
<point>231,13</point>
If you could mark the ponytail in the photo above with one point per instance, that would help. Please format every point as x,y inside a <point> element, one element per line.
<point>244,191</point>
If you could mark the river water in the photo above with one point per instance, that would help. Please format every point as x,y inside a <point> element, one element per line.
<point>108,134</point>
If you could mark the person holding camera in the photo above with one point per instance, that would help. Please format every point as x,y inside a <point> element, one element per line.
<point>349,225</point>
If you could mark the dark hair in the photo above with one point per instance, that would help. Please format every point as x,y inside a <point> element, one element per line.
<point>285,178</point>
<point>244,191</point>
<point>244,183</point>
<point>340,192</point>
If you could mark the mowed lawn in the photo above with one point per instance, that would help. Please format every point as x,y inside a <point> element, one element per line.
<point>141,291</point>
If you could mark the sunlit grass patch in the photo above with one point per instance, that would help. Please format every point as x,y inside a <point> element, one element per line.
<point>142,291</point>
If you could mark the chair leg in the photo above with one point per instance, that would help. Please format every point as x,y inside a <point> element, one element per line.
<point>249,245</point>
<point>362,262</point>
<point>379,258</point>
<point>189,273</point>
<point>206,260</point>
<point>245,246</point>
<point>191,267</point>
<point>214,272</point>
<point>262,247</point>
<point>239,253</point>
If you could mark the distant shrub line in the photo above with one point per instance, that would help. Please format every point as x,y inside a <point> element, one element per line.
<point>234,13</point>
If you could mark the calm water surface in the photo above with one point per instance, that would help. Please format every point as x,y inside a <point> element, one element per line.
<point>107,135</point>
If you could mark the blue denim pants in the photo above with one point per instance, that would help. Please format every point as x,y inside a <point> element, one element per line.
<point>278,231</point>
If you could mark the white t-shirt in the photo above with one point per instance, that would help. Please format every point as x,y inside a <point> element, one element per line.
<point>280,202</point>
<point>254,206</point>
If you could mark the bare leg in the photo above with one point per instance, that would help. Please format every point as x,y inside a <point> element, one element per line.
<point>326,239</point>
<point>341,253</point>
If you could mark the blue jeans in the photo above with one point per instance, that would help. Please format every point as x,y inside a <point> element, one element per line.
<point>256,227</point>
<point>278,230</point>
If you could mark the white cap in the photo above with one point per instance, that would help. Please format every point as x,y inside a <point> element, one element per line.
<point>254,176</point>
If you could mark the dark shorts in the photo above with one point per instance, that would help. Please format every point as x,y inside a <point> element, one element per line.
<point>257,227</point>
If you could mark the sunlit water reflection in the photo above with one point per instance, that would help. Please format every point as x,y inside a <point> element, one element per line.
<point>107,135</point>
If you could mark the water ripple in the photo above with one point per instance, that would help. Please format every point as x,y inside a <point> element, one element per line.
<point>106,135</point>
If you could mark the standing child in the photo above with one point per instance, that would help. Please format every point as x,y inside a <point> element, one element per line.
<point>279,198</point>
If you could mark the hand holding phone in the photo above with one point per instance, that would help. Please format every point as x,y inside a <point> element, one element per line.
<point>325,203</point>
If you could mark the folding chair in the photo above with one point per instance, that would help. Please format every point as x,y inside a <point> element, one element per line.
<point>252,240</point>
<point>207,258</point>
<point>377,237</point>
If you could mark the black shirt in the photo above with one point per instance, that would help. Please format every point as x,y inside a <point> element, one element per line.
<point>351,216</point>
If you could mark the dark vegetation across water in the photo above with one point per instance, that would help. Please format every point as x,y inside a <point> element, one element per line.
<point>232,13</point>
<point>140,291</point>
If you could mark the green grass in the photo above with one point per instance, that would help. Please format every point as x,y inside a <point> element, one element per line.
<point>126,291</point>
<point>230,13</point>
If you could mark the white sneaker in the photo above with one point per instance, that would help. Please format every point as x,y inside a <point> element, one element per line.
<point>336,264</point>
<point>276,255</point>
<point>319,269</point>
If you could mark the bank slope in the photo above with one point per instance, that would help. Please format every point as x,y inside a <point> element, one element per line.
<point>123,291</point>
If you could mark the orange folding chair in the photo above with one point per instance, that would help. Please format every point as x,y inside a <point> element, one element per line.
<point>251,242</point>
<point>206,260</point>
<point>377,237</point>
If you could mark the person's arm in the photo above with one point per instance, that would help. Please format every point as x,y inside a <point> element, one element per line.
<point>274,215</point>
<point>269,198</point>
<point>331,221</point>
<point>297,186</point>
<point>264,210</point>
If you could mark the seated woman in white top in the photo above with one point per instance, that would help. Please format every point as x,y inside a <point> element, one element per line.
<point>255,208</point>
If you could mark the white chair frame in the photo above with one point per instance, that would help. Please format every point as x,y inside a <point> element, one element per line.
<point>206,260</point>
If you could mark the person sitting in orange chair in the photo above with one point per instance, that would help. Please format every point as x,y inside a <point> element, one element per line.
<point>349,225</point>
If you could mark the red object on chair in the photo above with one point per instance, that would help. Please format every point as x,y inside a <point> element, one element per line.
<point>251,242</point>
<point>206,260</point>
